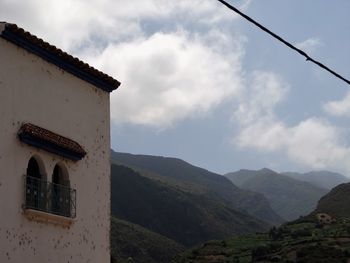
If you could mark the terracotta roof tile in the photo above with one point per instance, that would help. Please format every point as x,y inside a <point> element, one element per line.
<point>55,55</point>
<point>50,141</point>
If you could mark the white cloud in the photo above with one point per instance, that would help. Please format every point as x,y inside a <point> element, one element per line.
<point>169,77</point>
<point>313,143</point>
<point>264,135</point>
<point>172,75</point>
<point>309,45</point>
<point>69,24</point>
<point>166,76</point>
<point>340,108</point>
<point>255,113</point>
<point>245,5</point>
<point>317,144</point>
<point>72,24</point>
<point>261,96</point>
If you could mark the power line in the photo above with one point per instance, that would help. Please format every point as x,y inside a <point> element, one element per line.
<point>301,52</point>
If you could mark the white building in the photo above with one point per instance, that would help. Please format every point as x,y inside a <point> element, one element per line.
<point>54,153</point>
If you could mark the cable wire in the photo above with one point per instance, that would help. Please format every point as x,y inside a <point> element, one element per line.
<point>301,52</point>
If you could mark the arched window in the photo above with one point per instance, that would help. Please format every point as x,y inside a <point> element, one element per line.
<point>61,193</point>
<point>35,186</point>
<point>33,168</point>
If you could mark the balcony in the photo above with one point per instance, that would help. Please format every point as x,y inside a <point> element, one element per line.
<point>49,198</point>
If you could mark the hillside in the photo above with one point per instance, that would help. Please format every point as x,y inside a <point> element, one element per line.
<point>336,202</point>
<point>309,239</point>
<point>130,241</point>
<point>185,217</point>
<point>297,242</point>
<point>289,197</point>
<point>194,180</point>
<point>323,179</point>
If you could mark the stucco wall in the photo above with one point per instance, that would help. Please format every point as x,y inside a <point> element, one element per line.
<point>32,90</point>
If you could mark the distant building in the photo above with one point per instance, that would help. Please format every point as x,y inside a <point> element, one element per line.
<point>54,153</point>
<point>325,219</point>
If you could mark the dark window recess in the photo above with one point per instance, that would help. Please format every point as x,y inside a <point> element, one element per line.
<point>49,197</point>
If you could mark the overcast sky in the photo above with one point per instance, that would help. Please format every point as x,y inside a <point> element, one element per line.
<point>201,84</point>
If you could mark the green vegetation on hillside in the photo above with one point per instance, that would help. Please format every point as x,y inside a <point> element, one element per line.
<point>302,241</point>
<point>336,202</point>
<point>199,182</point>
<point>185,217</point>
<point>289,197</point>
<point>321,237</point>
<point>133,243</point>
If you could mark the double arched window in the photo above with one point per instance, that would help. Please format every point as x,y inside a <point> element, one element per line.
<point>54,197</point>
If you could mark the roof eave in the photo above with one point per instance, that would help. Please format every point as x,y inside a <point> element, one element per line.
<point>55,59</point>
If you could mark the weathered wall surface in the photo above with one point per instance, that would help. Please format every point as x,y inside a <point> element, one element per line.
<point>32,90</point>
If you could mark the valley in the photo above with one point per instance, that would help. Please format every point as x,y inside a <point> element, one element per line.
<point>166,209</point>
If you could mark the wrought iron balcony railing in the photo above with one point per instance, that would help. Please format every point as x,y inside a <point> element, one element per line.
<point>49,197</point>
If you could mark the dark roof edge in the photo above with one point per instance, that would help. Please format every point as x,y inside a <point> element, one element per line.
<point>50,147</point>
<point>52,142</point>
<point>58,57</point>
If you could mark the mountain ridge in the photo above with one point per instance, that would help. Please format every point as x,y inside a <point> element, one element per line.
<point>187,218</point>
<point>336,202</point>
<point>289,197</point>
<point>323,179</point>
<point>187,177</point>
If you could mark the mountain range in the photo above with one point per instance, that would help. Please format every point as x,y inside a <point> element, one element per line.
<point>323,179</point>
<point>290,198</point>
<point>182,216</point>
<point>162,205</point>
<point>198,181</point>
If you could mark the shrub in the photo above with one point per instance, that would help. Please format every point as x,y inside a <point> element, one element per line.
<point>301,233</point>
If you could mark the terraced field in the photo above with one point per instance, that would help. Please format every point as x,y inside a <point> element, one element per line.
<point>305,240</point>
